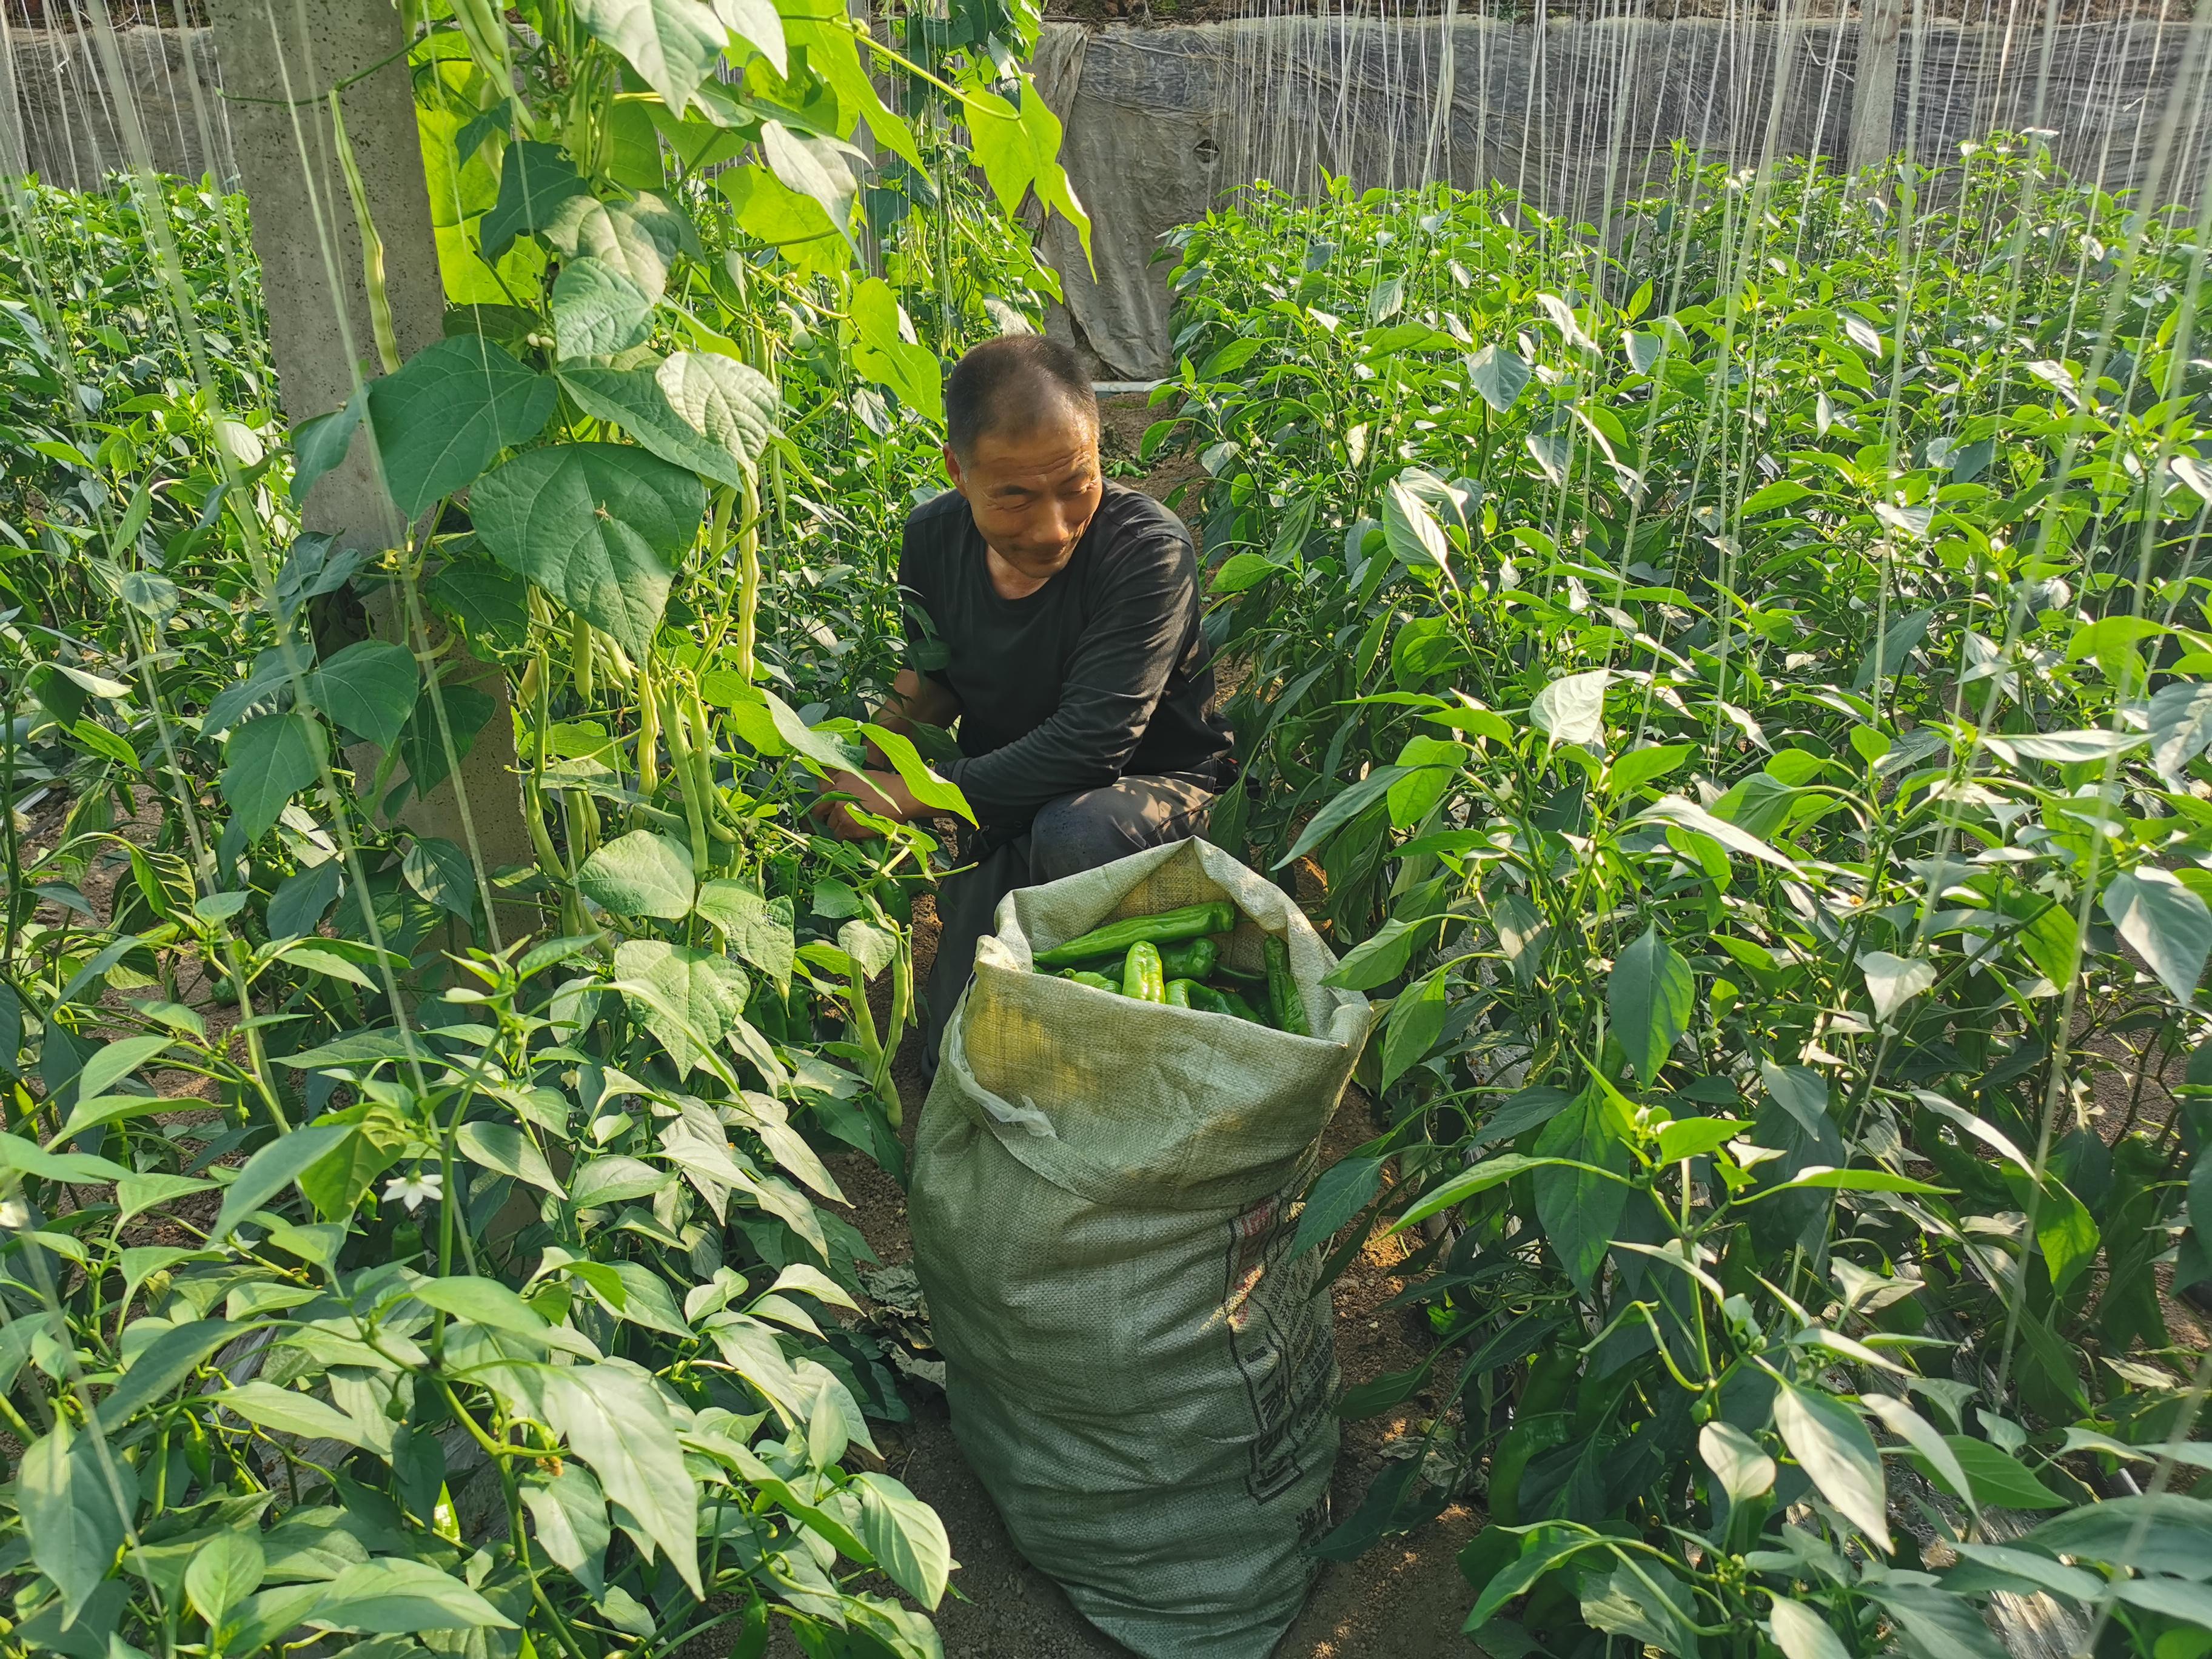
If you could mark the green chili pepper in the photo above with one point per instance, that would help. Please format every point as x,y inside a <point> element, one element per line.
<point>1283,1002</point>
<point>1193,960</point>
<point>1140,972</point>
<point>1191,922</point>
<point>1095,981</point>
<point>1178,992</point>
<point>1233,1004</point>
<point>1204,998</point>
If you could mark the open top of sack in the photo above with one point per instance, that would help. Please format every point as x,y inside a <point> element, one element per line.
<point>1138,1103</point>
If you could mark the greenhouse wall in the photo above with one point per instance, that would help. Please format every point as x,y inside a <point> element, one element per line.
<point>1160,121</point>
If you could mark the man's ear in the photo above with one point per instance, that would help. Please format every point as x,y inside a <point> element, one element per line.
<point>952,470</point>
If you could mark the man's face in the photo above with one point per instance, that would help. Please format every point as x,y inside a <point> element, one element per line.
<point>1032,492</point>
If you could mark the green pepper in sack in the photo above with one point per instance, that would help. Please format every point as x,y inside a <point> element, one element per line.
<point>1114,939</point>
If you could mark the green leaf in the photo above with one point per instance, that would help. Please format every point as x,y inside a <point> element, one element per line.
<point>598,310</point>
<point>319,444</point>
<point>571,1513</point>
<point>1571,708</point>
<point>391,1595</point>
<point>1346,1189</point>
<point>1241,572</point>
<point>1578,1206</point>
<point>481,1301</point>
<point>794,225</point>
<point>161,1365</point>
<point>1935,1624</point>
<point>1381,957</point>
<point>1828,1439</point>
<point>641,874</point>
<point>596,525</point>
<point>534,182</point>
<point>905,1536</point>
<point>444,417</point>
<point>504,1148</point>
<point>1893,981</point>
<point>1410,529</point>
<point>274,1168</point>
<point>758,929</point>
<point>1693,1137</point>
<point>67,1493</point>
<point>1433,765</point>
<point>1743,1470</point>
<point>2180,727</point>
<point>224,1571</point>
<point>110,1064</point>
<point>813,166</point>
<point>673,45</point>
<point>2164,922</point>
<point>368,689</point>
<point>729,404</point>
<point>1996,1478</point>
<point>491,605</point>
<point>1642,1600</point>
<point>1819,1178</point>
<point>615,1421</point>
<point>1782,492</point>
<point>1649,996</point>
<point>923,784</point>
<point>2174,1598</point>
<point>1019,150</point>
<point>2161,1533</point>
<point>885,355</point>
<point>1414,1021</point>
<point>756,23</point>
<point>640,239</point>
<point>1499,375</point>
<point>1341,810</point>
<point>289,1412</point>
<point>1689,815</point>
<point>266,761</point>
<point>1638,767</point>
<point>442,874</point>
<point>690,999</point>
<point>633,399</point>
<point>1801,1633</point>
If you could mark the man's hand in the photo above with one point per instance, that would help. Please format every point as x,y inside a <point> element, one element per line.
<point>883,793</point>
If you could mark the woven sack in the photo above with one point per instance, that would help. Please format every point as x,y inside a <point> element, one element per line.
<point>1101,1211</point>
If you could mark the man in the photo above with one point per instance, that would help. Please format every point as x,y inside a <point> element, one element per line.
<point>1065,611</point>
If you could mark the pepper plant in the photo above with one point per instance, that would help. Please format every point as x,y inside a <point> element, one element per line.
<point>1734,687</point>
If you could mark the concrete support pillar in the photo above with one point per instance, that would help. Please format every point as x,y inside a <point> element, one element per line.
<point>281,59</point>
<point>1873,93</point>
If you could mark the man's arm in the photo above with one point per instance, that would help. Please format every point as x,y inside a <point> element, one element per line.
<point>916,701</point>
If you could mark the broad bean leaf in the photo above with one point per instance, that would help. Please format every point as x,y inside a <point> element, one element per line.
<point>596,525</point>
<point>598,309</point>
<point>444,417</point>
<point>691,998</point>
<point>634,399</point>
<point>368,689</point>
<point>641,874</point>
<point>673,45</point>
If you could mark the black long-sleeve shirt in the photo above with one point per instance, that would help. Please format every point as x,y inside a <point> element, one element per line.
<point>1101,673</point>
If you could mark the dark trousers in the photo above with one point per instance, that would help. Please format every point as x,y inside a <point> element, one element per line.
<point>1074,833</point>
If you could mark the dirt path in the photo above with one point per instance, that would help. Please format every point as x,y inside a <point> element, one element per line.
<point>1404,1599</point>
